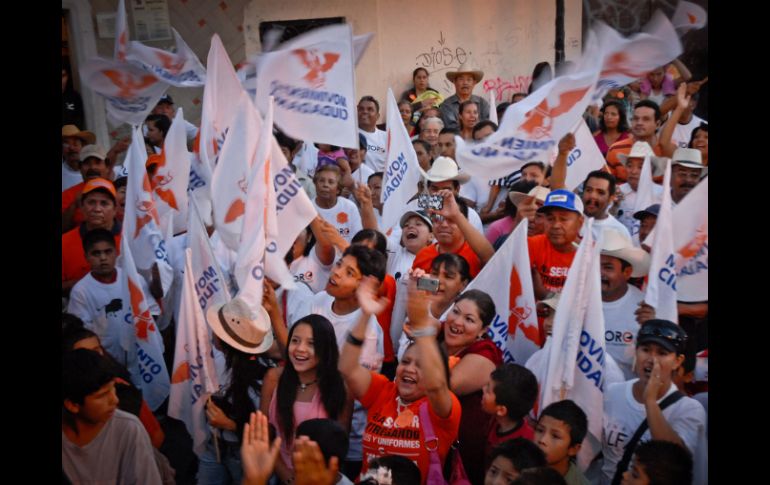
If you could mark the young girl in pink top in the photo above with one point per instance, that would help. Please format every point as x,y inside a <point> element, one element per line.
<point>309,386</point>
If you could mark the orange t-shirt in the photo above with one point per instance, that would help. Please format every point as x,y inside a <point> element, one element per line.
<point>383,436</point>
<point>624,147</point>
<point>425,258</point>
<point>69,197</point>
<point>388,290</point>
<point>550,263</point>
<point>73,258</point>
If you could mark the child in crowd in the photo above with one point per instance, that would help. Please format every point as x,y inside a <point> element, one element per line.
<point>559,433</point>
<point>510,458</point>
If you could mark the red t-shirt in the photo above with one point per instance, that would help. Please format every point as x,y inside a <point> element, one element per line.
<point>494,438</point>
<point>73,258</point>
<point>425,258</point>
<point>383,436</point>
<point>550,263</point>
<point>388,290</point>
<point>69,197</point>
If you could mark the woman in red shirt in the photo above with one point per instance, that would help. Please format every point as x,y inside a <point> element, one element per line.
<point>421,387</point>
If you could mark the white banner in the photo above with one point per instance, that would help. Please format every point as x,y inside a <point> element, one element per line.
<point>171,179</point>
<point>584,158</point>
<point>576,353</point>
<point>508,280</point>
<point>401,173</point>
<point>312,80</point>
<point>181,68</point>
<point>141,225</point>
<point>691,238</point>
<point>661,287</point>
<point>194,377</point>
<point>154,378</point>
<point>531,128</point>
<point>130,92</point>
<point>211,279</point>
<point>628,59</point>
<point>121,33</point>
<point>688,16</point>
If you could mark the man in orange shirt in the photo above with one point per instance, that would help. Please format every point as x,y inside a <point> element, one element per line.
<point>98,201</point>
<point>644,124</point>
<point>93,164</point>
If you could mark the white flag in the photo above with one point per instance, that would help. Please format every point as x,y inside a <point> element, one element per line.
<point>661,287</point>
<point>130,92</point>
<point>181,68</point>
<point>141,224</point>
<point>401,173</point>
<point>212,282</point>
<point>312,80</point>
<point>688,16</point>
<point>220,97</point>
<point>628,59</point>
<point>584,158</point>
<point>172,177</point>
<point>508,280</point>
<point>577,354</point>
<point>194,377</point>
<point>147,340</point>
<point>492,108</point>
<point>121,33</point>
<point>532,127</point>
<point>691,232</point>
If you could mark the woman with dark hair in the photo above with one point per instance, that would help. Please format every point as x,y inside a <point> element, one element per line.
<point>613,126</point>
<point>699,139</point>
<point>309,386</point>
<point>541,74</point>
<point>468,116</point>
<point>406,111</point>
<point>421,95</point>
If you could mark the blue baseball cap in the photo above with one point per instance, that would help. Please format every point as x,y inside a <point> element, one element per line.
<point>652,210</point>
<point>562,199</point>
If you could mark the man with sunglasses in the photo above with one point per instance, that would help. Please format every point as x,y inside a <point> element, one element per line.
<point>660,349</point>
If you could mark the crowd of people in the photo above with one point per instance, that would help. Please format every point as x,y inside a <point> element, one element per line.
<point>379,367</point>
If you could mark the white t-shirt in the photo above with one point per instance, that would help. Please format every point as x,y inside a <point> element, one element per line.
<point>362,174</point>
<point>105,310</point>
<point>298,302</point>
<point>476,190</point>
<point>682,133</point>
<point>621,328</point>
<point>311,270</point>
<point>610,223</point>
<point>306,159</point>
<point>623,414</point>
<point>69,177</point>
<point>376,143</point>
<point>344,216</point>
<point>372,350</point>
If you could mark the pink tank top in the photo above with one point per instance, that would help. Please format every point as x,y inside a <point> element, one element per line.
<point>302,412</point>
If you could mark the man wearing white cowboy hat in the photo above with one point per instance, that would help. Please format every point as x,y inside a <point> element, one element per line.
<point>465,79</point>
<point>620,261</point>
<point>686,171</point>
<point>444,174</point>
<point>627,192</point>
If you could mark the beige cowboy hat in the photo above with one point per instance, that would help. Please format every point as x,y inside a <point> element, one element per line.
<point>72,130</point>
<point>466,68</point>
<point>444,168</point>
<point>539,192</point>
<point>641,149</point>
<point>240,326</point>
<point>618,246</point>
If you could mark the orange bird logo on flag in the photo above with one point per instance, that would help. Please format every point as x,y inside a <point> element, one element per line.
<point>539,120</point>
<point>167,61</point>
<point>143,319</point>
<point>316,67</point>
<point>693,18</point>
<point>160,180</point>
<point>617,64</point>
<point>238,207</point>
<point>181,373</point>
<point>127,83</point>
<point>145,207</point>
<point>518,315</point>
<point>695,244</point>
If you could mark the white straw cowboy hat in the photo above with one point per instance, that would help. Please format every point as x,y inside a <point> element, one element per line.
<point>618,246</point>
<point>538,192</point>
<point>241,327</point>
<point>466,68</point>
<point>444,168</point>
<point>641,149</point>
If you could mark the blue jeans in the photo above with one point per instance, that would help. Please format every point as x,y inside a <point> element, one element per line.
<point>229,471</point>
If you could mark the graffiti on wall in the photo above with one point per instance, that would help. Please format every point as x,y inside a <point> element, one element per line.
<point>504,88</point>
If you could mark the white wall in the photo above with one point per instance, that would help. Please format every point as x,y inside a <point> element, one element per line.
<point>505,38</point>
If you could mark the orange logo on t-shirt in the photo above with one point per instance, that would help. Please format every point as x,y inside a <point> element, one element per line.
<point>342,217</point>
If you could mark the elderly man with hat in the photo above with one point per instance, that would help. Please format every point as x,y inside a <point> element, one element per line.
<point>465,79</point>
<point>98,201</point>
<point>165,107</point>
<point>93,164</point>
<point>627,192</point>
<point>620,261</point>
<point>687,169</point>
<point>73,140</point>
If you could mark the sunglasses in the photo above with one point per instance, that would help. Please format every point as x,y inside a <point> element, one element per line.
<point>664,332</point>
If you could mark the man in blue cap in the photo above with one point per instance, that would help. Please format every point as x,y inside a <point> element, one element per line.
<point>647,219</point>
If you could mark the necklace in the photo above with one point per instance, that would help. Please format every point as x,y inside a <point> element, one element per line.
<point>302,386</point>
